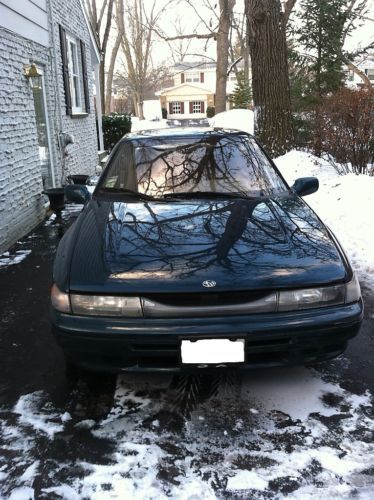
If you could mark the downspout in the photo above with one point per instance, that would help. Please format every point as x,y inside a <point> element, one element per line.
<point>98,107</point>
<point>57,101</point>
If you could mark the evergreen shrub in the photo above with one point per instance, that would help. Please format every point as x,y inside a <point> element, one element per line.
<point>115,126</point>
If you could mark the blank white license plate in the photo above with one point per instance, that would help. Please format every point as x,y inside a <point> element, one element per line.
<point>208,351</point>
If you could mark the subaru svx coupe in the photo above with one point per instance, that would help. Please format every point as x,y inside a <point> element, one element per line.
<point>194,253</point>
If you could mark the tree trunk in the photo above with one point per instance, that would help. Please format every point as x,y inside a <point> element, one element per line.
<point>102,83</point>
<point>109,80</point>
<point>223,45</point>
<point>140,110</point>
<point>270,84</point>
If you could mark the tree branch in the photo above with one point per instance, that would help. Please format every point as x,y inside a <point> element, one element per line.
<point>193,35</point>
<point>288,6</point>
<point>233,64</point>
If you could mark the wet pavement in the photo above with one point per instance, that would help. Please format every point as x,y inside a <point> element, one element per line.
<point>295,432</point>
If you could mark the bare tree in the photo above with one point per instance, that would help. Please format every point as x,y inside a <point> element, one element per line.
<point>109,81</point>
<point>101,21</point>
<point>270,83</point>
<point>181,47</point>
<point>220,32</point>
<point>136,38</point>
<point>239,47</point>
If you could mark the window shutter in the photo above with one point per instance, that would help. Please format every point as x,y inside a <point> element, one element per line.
<point>85,79</point>
<point>202,77</point>
<point>191,107</point>
<point>182,108</point>
<point>202,107</point>
<point>170,108</point>
<point>182,77</point>
<point>65,69</point>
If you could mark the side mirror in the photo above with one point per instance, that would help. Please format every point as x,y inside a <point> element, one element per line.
<point>306,185</point>
<point>77,193</point>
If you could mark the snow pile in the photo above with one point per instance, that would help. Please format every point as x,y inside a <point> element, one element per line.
<point>240,119</point>
<point>344,203</point>
<point>138,125</point>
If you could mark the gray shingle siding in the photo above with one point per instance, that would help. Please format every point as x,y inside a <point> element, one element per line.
<point>21,198</point>
<point>82,155</point>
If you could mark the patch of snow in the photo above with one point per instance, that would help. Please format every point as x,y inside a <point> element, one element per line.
<point>238,119</point>
<point>22,493</point>
<point>30,472</point>
<point>344,203</point>
<point>305,397</point>
<point>65,417</point>
<point>247,480</point>
<point>139,125</point>
<point>31,412</point>
<point>64,492</point>
<point>85,424</point>
<point>10,259</point>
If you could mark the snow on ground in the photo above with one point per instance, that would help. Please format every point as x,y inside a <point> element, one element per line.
<point>137,125</point>
<point>344,203</point>
<point>9,259</point>
<point>268,434</point>
<point>241,119</point>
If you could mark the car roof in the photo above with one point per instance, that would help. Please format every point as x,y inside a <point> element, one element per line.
<point>183,132</point>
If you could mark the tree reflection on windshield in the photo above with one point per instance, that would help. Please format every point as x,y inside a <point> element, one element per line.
<point>218,164</point>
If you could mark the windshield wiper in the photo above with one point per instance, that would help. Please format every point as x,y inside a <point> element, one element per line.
<point>209,194</point>
<point>128,192</point>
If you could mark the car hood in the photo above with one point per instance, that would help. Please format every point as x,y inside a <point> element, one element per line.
<point>146,247</point>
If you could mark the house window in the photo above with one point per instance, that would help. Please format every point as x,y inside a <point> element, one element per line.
<point>192,77</point>
<point>232,77</point>
<point>74,72</point>
<point>176,108</point>
<point>74,79</point>
<point>370,73</point>
<point>350,76</point>
<point>196,107</point>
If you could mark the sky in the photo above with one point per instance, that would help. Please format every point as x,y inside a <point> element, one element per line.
<point>178,11</point>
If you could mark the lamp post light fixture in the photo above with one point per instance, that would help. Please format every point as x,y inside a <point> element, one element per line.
<point>32,74</point>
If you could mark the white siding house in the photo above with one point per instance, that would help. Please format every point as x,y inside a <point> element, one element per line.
<point>193,91</point>
<point>367,67</point>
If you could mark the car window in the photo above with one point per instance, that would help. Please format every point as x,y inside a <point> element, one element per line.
<point>221,164</point>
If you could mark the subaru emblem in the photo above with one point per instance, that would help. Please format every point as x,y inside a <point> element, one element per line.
<point>209,283</point>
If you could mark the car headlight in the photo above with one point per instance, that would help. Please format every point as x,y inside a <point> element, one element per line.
<point>353,291</point>
<point>60,300</point>
<point>293,300</point>
<point>105,305</point>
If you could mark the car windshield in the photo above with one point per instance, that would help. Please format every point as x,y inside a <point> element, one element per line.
<point>217,164</point>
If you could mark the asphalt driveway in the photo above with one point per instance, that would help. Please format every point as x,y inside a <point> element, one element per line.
<point>297,432</point>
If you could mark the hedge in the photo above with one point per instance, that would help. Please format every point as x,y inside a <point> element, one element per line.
<point>115,126</point>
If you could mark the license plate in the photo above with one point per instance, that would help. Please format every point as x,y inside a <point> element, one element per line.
<point>212,351</point>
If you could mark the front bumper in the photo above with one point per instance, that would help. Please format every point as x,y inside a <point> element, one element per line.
<point>272,339</point>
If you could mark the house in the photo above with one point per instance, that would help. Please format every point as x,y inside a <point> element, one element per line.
<point>193,90</point>
<point>366,66</point>
<point>48,58</point>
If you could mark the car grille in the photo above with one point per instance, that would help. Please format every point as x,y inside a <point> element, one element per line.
<point>207,304</point>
